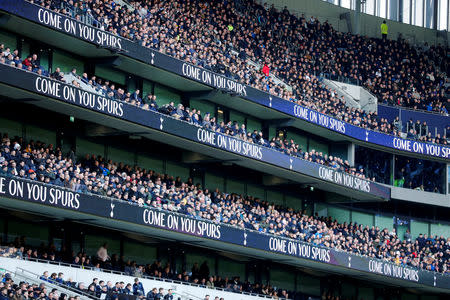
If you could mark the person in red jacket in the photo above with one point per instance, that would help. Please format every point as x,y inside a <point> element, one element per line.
<point>266,70</point>
<point>27,61</point>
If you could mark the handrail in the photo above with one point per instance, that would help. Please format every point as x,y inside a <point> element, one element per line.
<point>153,49</point>
<point>21,273</point>
<point>385,260</point>
<point>190,295</point>
<point>356,103</point>
<point>63,264</point>
<point>400,108</point>
<point>235,137</point>
<point>57,284</point>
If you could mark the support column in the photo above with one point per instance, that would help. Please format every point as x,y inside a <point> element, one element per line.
<point>351,154</point>
<point>394,10</point>
<point>447,179</point>
<point>357,28</point>
<point>392,179</point>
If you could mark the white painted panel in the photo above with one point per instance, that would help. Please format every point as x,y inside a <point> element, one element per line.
<point>86,276</point>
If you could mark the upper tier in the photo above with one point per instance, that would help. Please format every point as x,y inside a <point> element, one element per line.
<point>367,131</point>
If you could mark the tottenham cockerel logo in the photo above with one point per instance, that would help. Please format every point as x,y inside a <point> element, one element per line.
<point>111,214</point>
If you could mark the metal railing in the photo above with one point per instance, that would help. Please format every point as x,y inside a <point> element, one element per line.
<point>385,260</point>
<point>321,74</point>
<point>191,297</point>
<point>83,16</point>
<point>63,264</point>
<point>29,276</point>
<point>340,78</point>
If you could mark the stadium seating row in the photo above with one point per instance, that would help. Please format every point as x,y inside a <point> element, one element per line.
<point>95,175</point>
<point>430,92</point>
<point>420,180</point>
<point>225,36</point>
<point>76,277</point>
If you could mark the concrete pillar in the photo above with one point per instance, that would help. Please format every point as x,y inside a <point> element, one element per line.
<point>351,154</point>
<point>392,179</point>
<point>394,10</point>
<point>447,179</point>
<point>357,27</point>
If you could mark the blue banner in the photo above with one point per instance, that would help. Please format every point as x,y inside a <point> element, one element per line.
<point>52,196</point>
<point>155,120</point>
<point>435,121</point>
<point>134,50</point>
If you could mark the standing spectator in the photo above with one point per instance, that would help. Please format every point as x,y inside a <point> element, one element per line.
<point>138,288</point>
<point>384,30</point>
<point>266,70</point>
<point>195,271</point>
<point>204,270</point>
<point>407,236</point>
<point>102,253</point>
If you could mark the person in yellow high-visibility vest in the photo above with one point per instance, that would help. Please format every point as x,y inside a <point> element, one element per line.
<point>384,30</point>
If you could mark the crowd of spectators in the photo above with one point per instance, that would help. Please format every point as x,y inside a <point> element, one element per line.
<point>194,116</point>
<point>10,290</point>
<point>12,58</point>
<point>97,289</point>
<point>107,290</point>
<point>95,175</point>
<point>208,121</point>
<point>198,275</point>
<point>223,36</point>
<point>285,145</point>
<point>288,146</point>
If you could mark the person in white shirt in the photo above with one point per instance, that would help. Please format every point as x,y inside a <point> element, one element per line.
<point>102,253</point>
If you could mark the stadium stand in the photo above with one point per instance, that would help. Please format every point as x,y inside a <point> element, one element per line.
<point>26,285</point>
<point>425,179</point>
<point>289,147</point>
<point>182,284</point>
<point>98,205</point>
<point>309,50</point>
<point>92,174</point>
